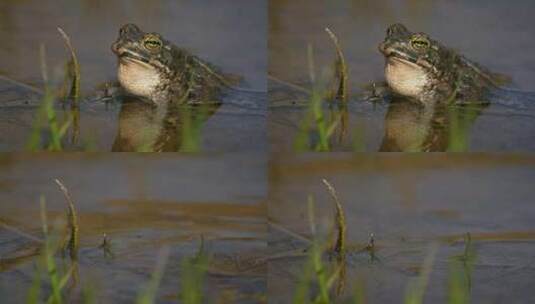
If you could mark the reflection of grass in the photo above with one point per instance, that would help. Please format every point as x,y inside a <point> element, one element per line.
<point>461,119</point>
<point>460,274</point>
<point>172,127</point>
<point>192,119</point>
<point>193,273</point>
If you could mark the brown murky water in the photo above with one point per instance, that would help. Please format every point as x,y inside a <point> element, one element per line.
<point>142,203</point>
<point>146,202</point>
<point>408,202</point>
<point>230,35</point>
<point>496,36</point>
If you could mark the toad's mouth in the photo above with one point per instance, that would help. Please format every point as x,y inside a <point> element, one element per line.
<point>129,56</point>
<point>391,54</point>
<point>395,56</point>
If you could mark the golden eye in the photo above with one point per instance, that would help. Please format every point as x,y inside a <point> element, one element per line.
<point>152,42</point>
<point>420,42</point>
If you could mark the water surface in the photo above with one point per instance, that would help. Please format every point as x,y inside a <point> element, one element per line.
<point>143,203</point>
<point>408,202</point>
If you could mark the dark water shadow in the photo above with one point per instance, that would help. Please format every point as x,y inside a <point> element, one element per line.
<point>411,127</point>
<point>144,127</point>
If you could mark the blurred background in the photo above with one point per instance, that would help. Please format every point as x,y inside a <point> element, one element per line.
<point>229,34</point>
<point>494,33</point>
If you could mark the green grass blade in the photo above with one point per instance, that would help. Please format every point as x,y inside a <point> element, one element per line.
<point>49,258</point>
<point>416,289</point>
<point>192,277</point>
<point>148,295</point>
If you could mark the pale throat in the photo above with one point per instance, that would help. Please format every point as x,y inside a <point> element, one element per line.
<point>138,78</point>
<point>405,78</point>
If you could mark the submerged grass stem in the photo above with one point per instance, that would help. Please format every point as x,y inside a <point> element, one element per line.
<point>339,246</point>
<point>340,69</point>
<point>71,243</point>
<point>75,72</point>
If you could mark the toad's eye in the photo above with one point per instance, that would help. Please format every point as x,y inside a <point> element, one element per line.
<point>420,42</point>
<point>152,42</point>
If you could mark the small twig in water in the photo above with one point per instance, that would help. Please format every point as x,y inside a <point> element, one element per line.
<point>21,84</point>
<point>288,84</point>
<point>289,232</point>
<point>106,246</point>
<point>371,244</point>
<point>20,232</point>
<point>370,248</point>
